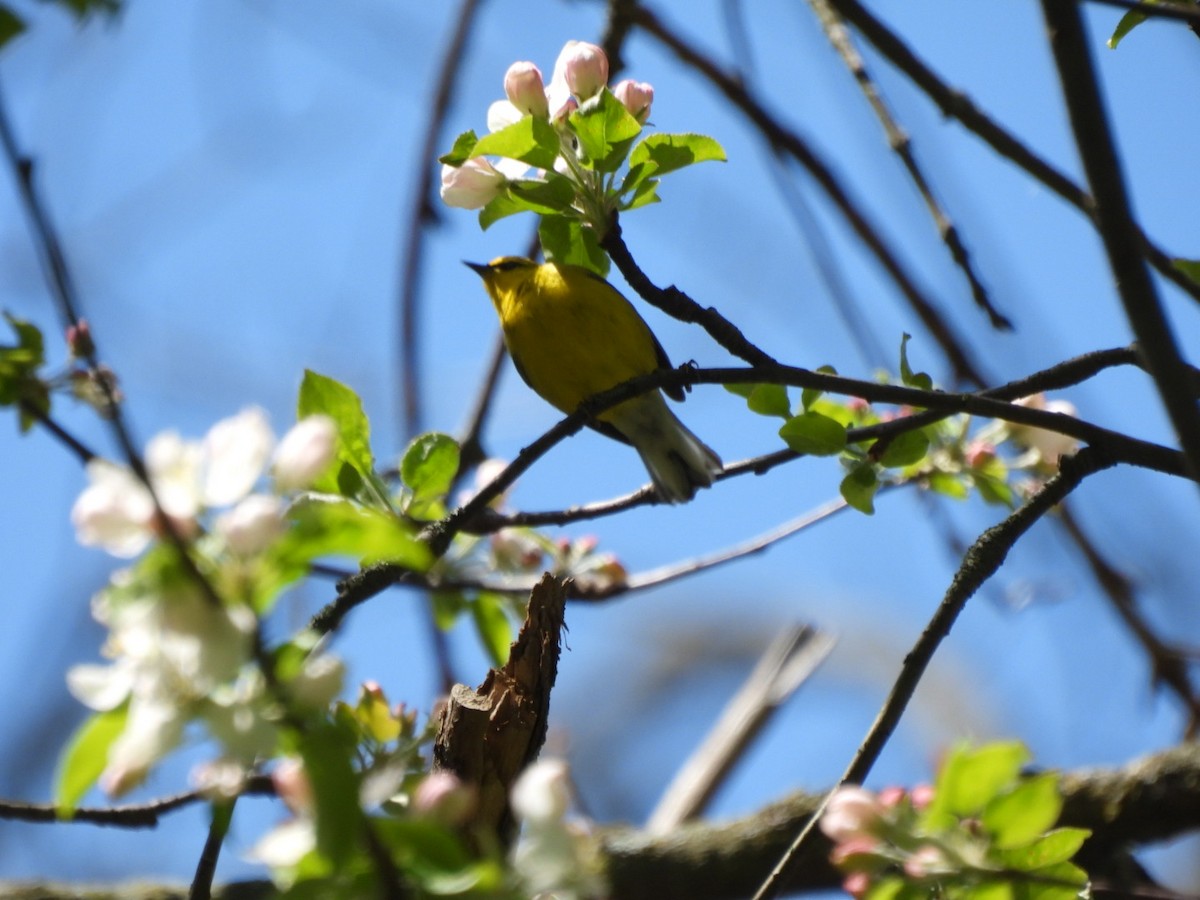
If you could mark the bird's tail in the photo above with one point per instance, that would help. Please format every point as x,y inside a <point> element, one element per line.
<point>677,460</point>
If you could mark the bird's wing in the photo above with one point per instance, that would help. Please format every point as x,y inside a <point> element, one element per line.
<point>603,427</point>
<point>664,362</point>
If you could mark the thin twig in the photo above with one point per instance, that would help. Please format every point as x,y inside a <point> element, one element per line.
<point>1168,664</point>
<point>206,867</point>
<point>964,368</point>
<point>82,452</point>
<point>784,666</point>
<point>131,815</point>
<point>421,213</point>
<point>1139,296</point>
<point>901,144</point>
<point>982,560</point>
<point>62,289</point>
<point>1178,11</point>
<point>955,104</point>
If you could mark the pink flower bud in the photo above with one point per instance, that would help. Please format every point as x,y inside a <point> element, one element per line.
<point>79,340</point>
<point>442,796</point>
<point>845,853</point>
<point>857,884</point>
<point>525,89</point>
<point>850,813</point>
<point>921,796</point>
<point>635,96</point>
<point>891,796</point>
<point>979,453</point>
<point>305,452</point>
<point>584,67</point>
<point>926,860</point>
<point>292,785</point>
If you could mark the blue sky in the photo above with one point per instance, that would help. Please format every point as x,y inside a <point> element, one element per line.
<point>231,179</point>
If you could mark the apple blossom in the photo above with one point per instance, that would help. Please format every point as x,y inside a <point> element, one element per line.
<point>292,785</point>
<point>850,813</point>
<point>542,793</point>
<point>525,89</point>
<point>635,96</point>
<point>115,511</point>
<point>235,452</point>
<point>253,525</point>
<point>1051,446</point>
<point>305,453</point>
<point>583,67</point>
<point>473,185</point>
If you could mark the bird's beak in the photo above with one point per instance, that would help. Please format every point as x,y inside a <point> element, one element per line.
<point>480,269</point>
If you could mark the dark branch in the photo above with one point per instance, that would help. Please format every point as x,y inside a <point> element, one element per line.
<point>1094,140</point>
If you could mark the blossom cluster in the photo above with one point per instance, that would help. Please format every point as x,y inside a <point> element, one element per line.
<point>179,654</point>
<point>579,76</point>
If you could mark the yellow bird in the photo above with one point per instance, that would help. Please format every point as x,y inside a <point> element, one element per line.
<point>571,336</point>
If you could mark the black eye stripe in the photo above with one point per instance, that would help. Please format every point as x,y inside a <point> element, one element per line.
<point>508,265</point>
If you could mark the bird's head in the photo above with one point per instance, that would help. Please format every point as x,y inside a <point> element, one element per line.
<point>504,274</point>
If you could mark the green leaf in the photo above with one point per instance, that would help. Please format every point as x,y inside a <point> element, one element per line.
<point>565,240</point>
<point>1052,848</point>
<point>447,607</point>
<point>969,779</point>
<point>905,450</point>
<point>1129,21</point>
<point>645,194</point>
<point>85,756</point>
<point>500,207</point>
<point>327,752</point>
<point>320,394</point>
<point>815,434</point>
<point>917,380</point>
<point>1018,816</point>
<point>428,467</point>
<point>531,140</point>
<point>549,196</point>
<point>322,528</point>
<point>491,620</point>
<point>663,153</point>
<point>606,130</point>
<point>809,396</point>
<point>461,151</point>
<point>764,399</point>
<point>948,484</point>
<point>1189,267</point>
<point>859,487</point>
<point>10,25</point>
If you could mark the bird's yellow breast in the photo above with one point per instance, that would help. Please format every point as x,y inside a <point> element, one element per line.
<point>573,335</point>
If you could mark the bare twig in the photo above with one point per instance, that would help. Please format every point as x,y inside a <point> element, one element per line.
<point>785,665</point>
<point>982,561</point>
<point>901,144</point>
<point>82,452</point>
<point>131,815</point>
<point>957,105</point>
<point>787,141</point>
<point>421,213</point>
<point>1180,12</point>
<point>1139,296</point>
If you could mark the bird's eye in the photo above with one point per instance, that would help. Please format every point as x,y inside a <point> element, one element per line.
<point>507,265</point>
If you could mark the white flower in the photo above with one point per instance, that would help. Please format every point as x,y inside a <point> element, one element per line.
<point>305,453</point>
<point>1051,446</point>
<point>252,525</point>
<point>169,653</point>
<point>115,511</point>
<point>235,453</point>
<point>542,793</point>
<point>473,185</point>
<point>285,845</point>
<point>319,681</point>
